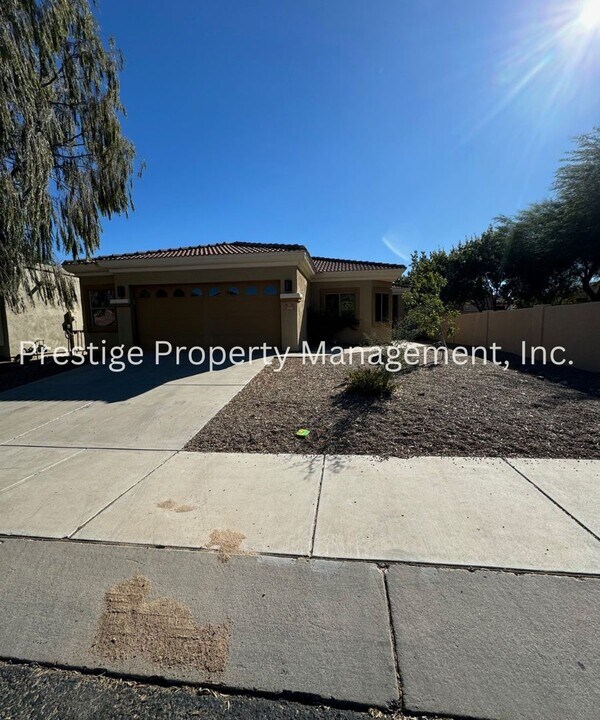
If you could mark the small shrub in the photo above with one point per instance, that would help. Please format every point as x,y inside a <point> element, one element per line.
<point>371,381</point>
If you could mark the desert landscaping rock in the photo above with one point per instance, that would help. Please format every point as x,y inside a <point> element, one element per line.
<point>573,484</point>
<point>459,511</point>
<point>487,644</point>
<point>270,500</point>
<point>475,410</point>
<point>288,619</point>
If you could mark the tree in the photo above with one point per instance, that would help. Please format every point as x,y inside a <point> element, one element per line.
<point>577,184</point>
<point>536,269</point>
<point>64,162</point>
<point>427,316</point>
<point>474,271</point>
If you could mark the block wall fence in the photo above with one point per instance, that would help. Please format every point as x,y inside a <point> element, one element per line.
<point>574,327</point>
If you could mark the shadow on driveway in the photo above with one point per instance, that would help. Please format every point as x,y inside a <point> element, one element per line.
<point>98,383</point>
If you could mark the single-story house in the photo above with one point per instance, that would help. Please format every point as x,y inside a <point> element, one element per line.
<point>230,294</point>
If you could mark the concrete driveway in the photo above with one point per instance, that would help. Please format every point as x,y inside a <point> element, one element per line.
<point>149,407</point>
<point>72,444</point>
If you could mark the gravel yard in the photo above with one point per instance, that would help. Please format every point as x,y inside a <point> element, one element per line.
<point>471,410</point>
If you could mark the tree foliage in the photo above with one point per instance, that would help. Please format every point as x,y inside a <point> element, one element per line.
<point>535,267</point>
<point>548,253</point>
<point>577,186</point>
<point>474,271</point>
<point>427,316</point>
<point>64,162</point>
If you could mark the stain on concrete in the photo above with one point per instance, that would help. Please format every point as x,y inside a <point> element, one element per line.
<point>172,505</point>
<point>166,504</point>
<point>162,630</point>
<point>227,543</point>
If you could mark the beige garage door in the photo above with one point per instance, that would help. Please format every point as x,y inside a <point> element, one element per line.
<point>217,314</point>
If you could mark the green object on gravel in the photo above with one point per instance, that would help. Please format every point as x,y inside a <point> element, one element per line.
<point>302,432</point>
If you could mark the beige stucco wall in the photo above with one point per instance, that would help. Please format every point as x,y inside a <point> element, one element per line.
<point>577,328</point>
<point>471,329</point>
<point>365,290</point>
<point>302,317</point>
<point>574,327</point>
<point>294,312</point>
<point>293,322</point>
<point>37,321</point>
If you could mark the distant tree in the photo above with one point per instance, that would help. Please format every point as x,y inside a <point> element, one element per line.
<point>535,268</point>
<point>577,186</point>
<point>474,271</point>
<point>427,316</point>
<point>64,162</point>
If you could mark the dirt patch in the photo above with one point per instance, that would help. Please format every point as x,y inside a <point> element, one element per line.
<point>227,543</point>
<point>167,505</point>
<point>172,505</point>
<point>162,630</point>
<point>473,410</point>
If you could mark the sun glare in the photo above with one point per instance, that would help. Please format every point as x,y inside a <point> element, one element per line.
<point>589,17</point>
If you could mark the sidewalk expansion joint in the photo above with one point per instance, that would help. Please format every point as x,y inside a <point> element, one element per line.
<point>316,518</point>
<point>552,500</point>
<point>76,451</point>
<point>48,422</point>
<point>393,638</point>
<point>114,500</point>
<point>380,563</point>
<point>90,447</point>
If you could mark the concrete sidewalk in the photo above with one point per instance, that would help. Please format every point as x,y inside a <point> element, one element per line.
<point>485,512</point>
<point>459,586</point>
<point>479,643</point>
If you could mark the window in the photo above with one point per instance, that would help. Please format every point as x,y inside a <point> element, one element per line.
<point>144,293</point>
<point>382,307</point>
<point>178,292</point>
<point>251,290</point>
<point>340,303</point>
<point>104,317</point>
<point>232,290</point>
<point>162,293</point>
<point>270,290</point>
<point>214,291</point>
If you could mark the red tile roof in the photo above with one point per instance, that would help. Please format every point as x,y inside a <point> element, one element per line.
<point>234,248</point>
<point>334,265</point>
<point>322,264</point>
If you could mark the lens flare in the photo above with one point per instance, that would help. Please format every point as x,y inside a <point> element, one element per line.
<point>550,60</point>
<point>589,17</point>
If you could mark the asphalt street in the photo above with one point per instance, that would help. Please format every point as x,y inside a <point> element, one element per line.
<point>38,693</point>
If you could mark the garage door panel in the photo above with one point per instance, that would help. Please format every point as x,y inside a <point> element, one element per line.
<point>226,314</point>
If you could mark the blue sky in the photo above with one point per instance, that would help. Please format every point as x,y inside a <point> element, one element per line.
<point>349,126</point>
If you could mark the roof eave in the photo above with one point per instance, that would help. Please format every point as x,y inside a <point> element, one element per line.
<point>280,258</point>
<point>381,274</point>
